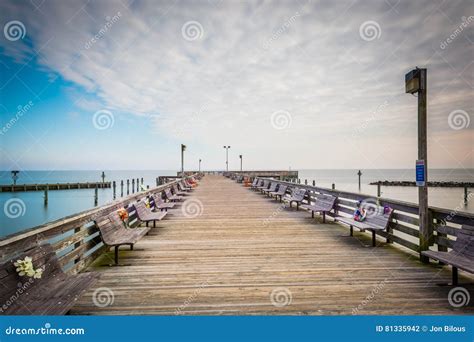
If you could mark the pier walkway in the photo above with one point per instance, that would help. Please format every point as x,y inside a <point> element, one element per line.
<point>245,254</point>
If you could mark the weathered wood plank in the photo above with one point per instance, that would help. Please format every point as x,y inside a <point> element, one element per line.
<point>243,246</point>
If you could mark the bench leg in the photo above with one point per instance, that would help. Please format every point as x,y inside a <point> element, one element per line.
<point>352,231</point>
<point>297,205</point>
<point>455,276</point>
<point>116,254</point>
<point>154,224</point>
<point>312,214</point>
<point>374,242</point>
<point>324,217</point>
<point>131,246</point>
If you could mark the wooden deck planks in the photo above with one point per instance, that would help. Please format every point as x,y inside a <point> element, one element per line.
<point>243,247</point>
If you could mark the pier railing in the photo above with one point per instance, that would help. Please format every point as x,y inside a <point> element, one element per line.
<point>404,227</point>
<point>75,238</point>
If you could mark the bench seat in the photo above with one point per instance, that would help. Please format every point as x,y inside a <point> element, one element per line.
<point>376,220</point>
<point>462,254</point>
<point>55,293</point>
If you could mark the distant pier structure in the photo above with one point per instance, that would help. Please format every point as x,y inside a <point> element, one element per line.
<point>276,174</point>
<point>55,186</point>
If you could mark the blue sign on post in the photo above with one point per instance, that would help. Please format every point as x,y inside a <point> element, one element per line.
<point>420,173</point>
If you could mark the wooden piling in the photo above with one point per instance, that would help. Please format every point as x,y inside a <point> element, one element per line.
<point>359,174</point>
<point>378,190</point>
<point>133,185</point>
<point>128,186</point>
<point>121,188</point>
<point>465,195</point>
<point>333,186</point>
<point>114,188</point>
<point>314,182</point>
<point>46,195</point>
<point>96,196</point>
<point>138,185</point>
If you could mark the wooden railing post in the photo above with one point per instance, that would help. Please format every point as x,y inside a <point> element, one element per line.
<point>121,188</point>
<point>114,185</point>
<point>133,185</point>
<point>128,187</point>
<point>96,195</point>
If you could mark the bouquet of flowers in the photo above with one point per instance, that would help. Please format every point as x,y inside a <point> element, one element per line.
<point>25,268</point>
<point>123,214</point>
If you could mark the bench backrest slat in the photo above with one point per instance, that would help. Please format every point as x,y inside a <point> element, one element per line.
<point>42,257</point>
<point>464,244</point>
<point>325,201</point>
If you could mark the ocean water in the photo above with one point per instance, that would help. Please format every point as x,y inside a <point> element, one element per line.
<point>32,211</point>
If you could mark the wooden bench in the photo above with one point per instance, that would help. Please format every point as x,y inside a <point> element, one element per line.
<point>171,197</point>
<point>145,214</point>
<point>156,201</point>
<point>272,188</point>
<point>376,220</point>
<point>255,183</point>
<point>184,187</point>
<point>114,234</point>
<point>265,185</point>
<point>322,204</point>
<point>297,196</point>
<point>177,192</point>
<point>462,254</point>
<point>280,192</point>
<point>55,293</point>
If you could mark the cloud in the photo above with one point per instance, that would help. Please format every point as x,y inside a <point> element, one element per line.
<point>252,59</point>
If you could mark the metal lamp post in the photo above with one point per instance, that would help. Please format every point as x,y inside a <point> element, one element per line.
<point>227,158</point>
<point>200,165</point>
<point>240,156</point>
<point>183,148</point>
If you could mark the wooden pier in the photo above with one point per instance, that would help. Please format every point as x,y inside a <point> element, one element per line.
<point>242,253</point>
<point>246,254</point>
<point>54,186</point>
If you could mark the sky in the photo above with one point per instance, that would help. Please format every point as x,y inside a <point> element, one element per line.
<point>287,84</point>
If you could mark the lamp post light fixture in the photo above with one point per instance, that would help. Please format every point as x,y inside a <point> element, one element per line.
<point>15,176</point>
<point>226,158</point>
<point>183,148</point>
